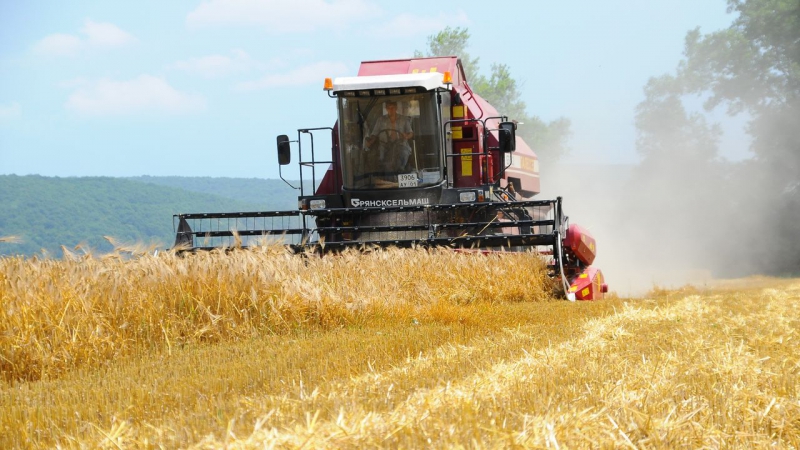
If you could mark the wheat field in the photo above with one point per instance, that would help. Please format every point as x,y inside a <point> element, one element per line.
<point>388,349</point>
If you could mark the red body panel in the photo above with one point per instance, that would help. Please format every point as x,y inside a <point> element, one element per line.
<point>467,170</point>
<point>524,164</point>
<point>589,285</point>
<point>581,243</point>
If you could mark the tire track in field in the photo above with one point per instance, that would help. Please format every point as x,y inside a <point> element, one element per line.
<point>666,397</point>
<point>500,380</point>
<point>357,426</point>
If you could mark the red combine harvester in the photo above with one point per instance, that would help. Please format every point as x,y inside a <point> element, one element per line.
<point>417,159</point>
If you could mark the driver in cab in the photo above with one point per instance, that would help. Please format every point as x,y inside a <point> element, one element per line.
<point>392,132</point>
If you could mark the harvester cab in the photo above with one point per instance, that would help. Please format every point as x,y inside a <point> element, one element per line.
<point>417,159</point>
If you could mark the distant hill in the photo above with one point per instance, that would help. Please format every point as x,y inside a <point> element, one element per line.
<point>47,212</point>
<point>263,193</point>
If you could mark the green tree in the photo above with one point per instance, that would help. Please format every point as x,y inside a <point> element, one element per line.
<point>754,66</point>
<point>667,133</point>
<point>501,90</point>
<point>751,67</point>
<point>452,42</point>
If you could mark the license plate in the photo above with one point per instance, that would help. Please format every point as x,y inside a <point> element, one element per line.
<point>407,180</point>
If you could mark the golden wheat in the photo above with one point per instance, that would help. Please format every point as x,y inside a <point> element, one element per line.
<point>84,310</point>
<point>693,372</point>
<point>397,349</point>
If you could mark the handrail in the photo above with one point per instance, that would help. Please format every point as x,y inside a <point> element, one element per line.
<point>313,162</point>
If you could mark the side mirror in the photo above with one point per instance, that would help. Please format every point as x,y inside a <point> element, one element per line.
<point>284,151</point>
<point>508,137</point>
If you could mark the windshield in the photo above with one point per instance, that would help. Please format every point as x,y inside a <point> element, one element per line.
<point>390,141</point>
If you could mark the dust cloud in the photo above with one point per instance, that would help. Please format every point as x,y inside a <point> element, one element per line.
<point>656,225</point>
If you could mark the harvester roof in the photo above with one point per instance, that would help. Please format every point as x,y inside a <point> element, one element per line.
<point>427,81</point>
<point>440,64</point>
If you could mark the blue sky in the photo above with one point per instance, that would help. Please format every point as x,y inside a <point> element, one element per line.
<point>202,88</point>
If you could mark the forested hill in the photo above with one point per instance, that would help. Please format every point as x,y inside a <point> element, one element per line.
<point>265,194</point>
<point>47,212</point>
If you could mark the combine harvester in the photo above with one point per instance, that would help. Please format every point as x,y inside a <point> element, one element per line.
<point>417,160</point>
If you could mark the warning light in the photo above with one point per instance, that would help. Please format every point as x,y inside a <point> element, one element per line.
<point>328,84</point>
<point>448,79</point>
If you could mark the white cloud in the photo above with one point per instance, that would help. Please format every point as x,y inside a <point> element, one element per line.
<point>405,25</point>
<point>280,16</point>
<point>213,66</point>
<point>143,94</point>
<point>58,45</point>
<point>96,35</point>
<point>105,34</point>
<point>314,73</point>
<point>10,111</point>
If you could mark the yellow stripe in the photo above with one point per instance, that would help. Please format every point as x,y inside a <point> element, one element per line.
<point>466,163</point>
